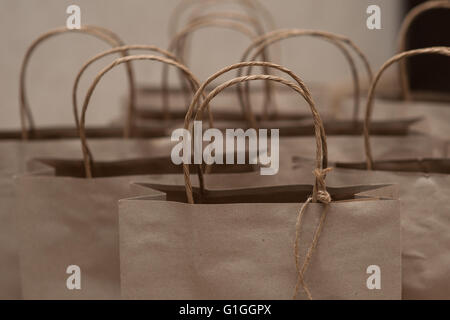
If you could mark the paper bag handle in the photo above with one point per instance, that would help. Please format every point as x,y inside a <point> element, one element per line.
<point>406,24</point>
<point>401,56</point>
<point>98,32</point>
<point>240,18</point>
<point>179,45</point>
<point>253,8</point>
<point>85,149</point>
<point>230,15</point>
<point>338,40</point>
<point>132,87</point>
<point>321,149</point>
<point>240,66</point>
<point>178,39</point>
<point>267,66</point>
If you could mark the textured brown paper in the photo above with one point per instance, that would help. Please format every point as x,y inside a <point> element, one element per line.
<point>65,219</point>
<point>15,155</point>
<point>173,250</point>
<point>424,207</point>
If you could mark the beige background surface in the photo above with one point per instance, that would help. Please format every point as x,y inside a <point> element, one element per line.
<point>54,65</point>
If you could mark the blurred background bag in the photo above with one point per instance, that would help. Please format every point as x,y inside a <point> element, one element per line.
<point>419,88</point>
<point>424,193</point>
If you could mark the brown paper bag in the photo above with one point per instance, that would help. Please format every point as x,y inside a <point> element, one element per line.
<point>424,188</point>
<point>14,151</point>
<point>196,243</point>
<point>15,155</point>
<point>67,211</point>
<point>173,250</point>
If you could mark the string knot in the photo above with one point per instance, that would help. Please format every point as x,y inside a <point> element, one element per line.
<point>322,194</point>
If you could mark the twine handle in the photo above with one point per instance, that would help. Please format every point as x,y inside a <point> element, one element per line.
<point>253,8</point>
<point>399,57</point>
<point>406,24</point>
<point>230,15</point>
<point>321,150</point>
<point>338,40</point>
<point>177,44</point>
<point>85,149</point>
<point>267,65</point>
<point>240,18</point>
<point>101,33</point>
<point>132,87</point>
<point>227,15</point>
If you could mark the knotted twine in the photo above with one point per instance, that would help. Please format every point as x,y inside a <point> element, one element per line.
<point>324,197</point>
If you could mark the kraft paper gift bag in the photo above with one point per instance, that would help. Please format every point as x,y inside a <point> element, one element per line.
<point>14,149</point>
<point>18,146</point>
<point>424,192</point>
<point>67,211</point>
<point>65,219</point>
<point>348,125</point>
<point>15,155</point>
<point>257,243</point>
<point>231,248</point>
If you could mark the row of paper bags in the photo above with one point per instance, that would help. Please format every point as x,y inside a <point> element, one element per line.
<point>137,227</point>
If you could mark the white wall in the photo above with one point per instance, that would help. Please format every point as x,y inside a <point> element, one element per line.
<point>55,64</point>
